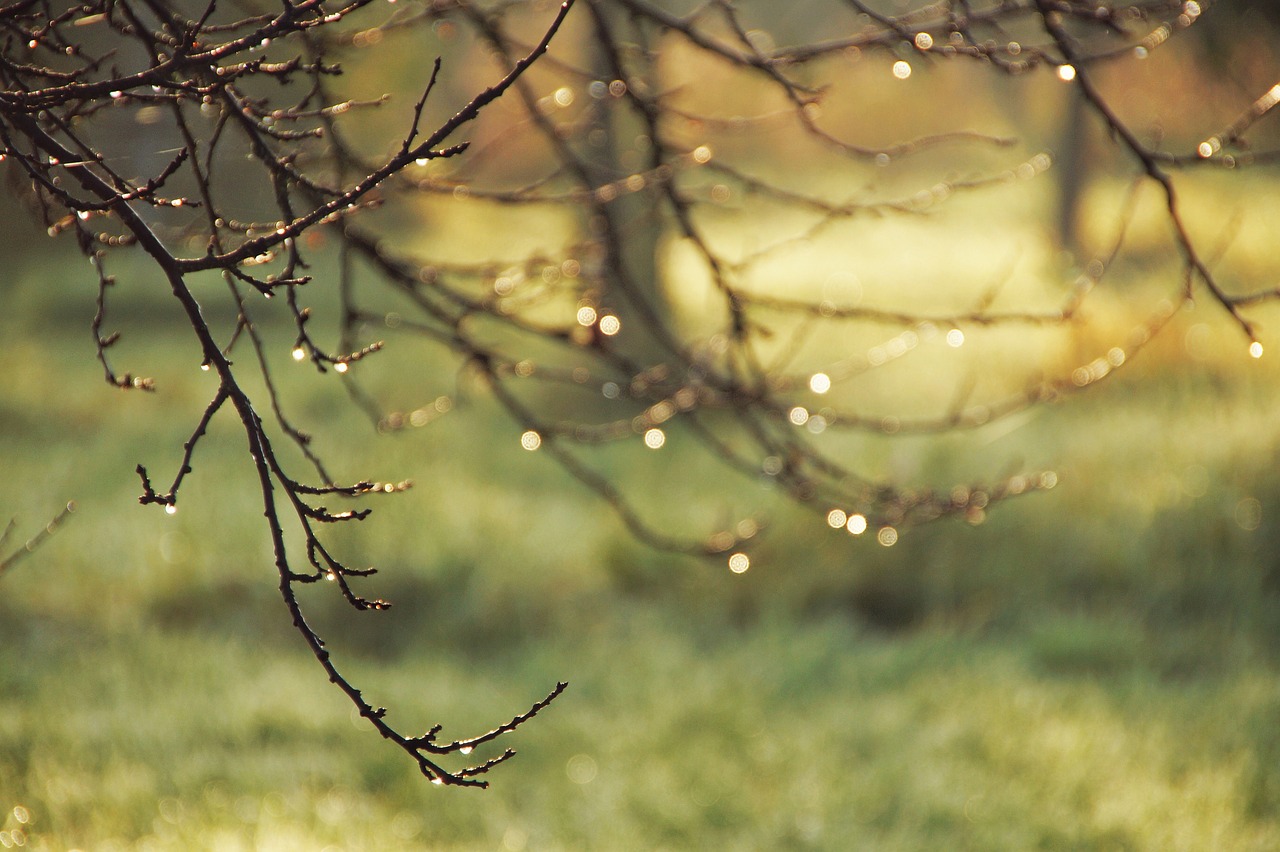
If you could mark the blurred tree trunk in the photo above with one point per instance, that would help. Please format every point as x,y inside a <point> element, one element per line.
<point>630,228</point>
<point>1071,171</point>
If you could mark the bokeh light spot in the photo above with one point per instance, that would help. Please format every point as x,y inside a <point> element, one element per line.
<point>581,769</point>
<point>1249,514</point>
<point>739,563</point>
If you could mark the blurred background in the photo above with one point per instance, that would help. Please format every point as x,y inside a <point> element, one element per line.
<point>1094,666</point>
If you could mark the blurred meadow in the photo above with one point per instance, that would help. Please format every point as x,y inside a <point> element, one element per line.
<point>1092,667</point>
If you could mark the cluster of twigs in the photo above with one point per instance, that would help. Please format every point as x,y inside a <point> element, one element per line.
<point>605,137</point>
<point>198,74</point>
<point>614,136</point>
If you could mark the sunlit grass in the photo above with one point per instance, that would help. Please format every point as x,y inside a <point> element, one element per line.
<point>810,733</point>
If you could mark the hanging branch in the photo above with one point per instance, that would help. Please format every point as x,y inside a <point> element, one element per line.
<point>38,133</point>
